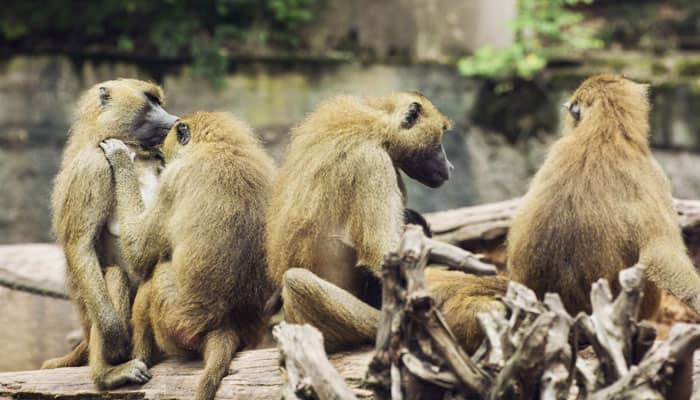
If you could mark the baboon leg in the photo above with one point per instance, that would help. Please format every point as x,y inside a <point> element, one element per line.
<point>219,348</point>
<point>343,319</point>
<point>76,358</point>
<point>106,376</point>
<point>91,289</point>
<point>460,297</point>
<point>119,290</point>
<point>144,341</point>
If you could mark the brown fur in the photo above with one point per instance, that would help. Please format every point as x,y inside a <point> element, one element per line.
<point>83,202</point>
<point>200,246</point>
<point>337,204</point>
<point>599,204</point>
<point>460,297</point>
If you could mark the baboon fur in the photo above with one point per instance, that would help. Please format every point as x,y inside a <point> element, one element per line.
<point>83,206</point>
<point>338,206</point>
<point>601,203</point>
<point>199,248</point>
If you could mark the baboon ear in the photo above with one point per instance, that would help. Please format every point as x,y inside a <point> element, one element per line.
<point>183,134</point>
<point>104,95</point>
<point>411,115</point>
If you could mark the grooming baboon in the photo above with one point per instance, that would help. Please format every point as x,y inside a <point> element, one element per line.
<point>83,202</point>
<point>601,203</point>
<point>337,206</point>
<point>199,247</point>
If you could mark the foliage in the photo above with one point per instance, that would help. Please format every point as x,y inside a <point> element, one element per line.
<point>545,30</point>
<point>203,29</point>
<point>658,27</point>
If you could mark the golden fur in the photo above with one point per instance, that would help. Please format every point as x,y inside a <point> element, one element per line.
<point>337,206</point>
<point>601,203</point>
<point>200,246</point>
<point>83,203</point>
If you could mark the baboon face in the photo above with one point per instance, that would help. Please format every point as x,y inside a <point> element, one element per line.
<point>194,128</point>
<point>177,138</point>
<point>136,108</point>
<point>604,96</point>
<point>418,148</point>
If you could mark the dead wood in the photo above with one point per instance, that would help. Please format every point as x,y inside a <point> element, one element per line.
<point>467,227</point>
<point>530,353</point>
<point>309,374</point>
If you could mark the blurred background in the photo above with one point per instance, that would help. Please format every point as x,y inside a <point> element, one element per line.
<point>499,68</point>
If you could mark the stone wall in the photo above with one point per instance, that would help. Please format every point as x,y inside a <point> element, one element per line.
<point>498,142</point>
<point>361,26</point>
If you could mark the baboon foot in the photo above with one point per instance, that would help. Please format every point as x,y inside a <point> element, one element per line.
<point>134,371</point>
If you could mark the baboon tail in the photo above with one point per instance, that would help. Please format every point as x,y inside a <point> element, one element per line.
<point>219,348</point>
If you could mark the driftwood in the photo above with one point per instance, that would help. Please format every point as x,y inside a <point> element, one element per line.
<point>309,374</point>
<point>487,224</point>
<point>33,267</point>
<point>530,354</point>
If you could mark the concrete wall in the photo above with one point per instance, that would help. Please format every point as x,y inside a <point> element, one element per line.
<point>408,28</point>
<point>497,144</point>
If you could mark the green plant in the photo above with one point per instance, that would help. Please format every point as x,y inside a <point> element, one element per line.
<point>544,30</point>
<point>204,30</point>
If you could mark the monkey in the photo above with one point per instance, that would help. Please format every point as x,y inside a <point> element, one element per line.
<point>601,203</point>
<point>83,220</point>
<point>347,322</point>
<point>199,248</point>
<point>337,205</point>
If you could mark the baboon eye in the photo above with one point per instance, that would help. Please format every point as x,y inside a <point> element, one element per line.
<point>104,95</point>
<point>152,98</point>
<point>183,134</point>
<point>574,110</point>
<point>412,114</point>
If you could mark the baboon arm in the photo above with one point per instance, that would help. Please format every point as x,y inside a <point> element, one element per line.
<point>140,237</point>
<point>377,210</point>
<point>86,271</point>
<point>670,268</point>
<point>82,202</point>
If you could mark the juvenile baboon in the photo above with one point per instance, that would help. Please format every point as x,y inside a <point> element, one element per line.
<point>601,203</point>
<point>199,247</point>
<point>83,202</point>
<point>337,205</point>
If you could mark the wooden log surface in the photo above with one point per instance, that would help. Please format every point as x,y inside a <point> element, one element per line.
<point>39,267</point>
<point>33,267</point>
<point>253,374</point>
<point>489,222</point>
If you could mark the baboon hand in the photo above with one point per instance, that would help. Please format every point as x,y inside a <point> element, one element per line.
<point>117,344</point>
<point>113,148</point>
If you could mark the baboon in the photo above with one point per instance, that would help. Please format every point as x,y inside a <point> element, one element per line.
<point>83,203</point>
<point>199,248</point>
<point>601,203</point>
<point>337,206</point>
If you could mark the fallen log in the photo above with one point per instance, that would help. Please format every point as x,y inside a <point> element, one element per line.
<point>483,228</point>
<point>490,222</point>
<point>252,375</point>
<point>39,267</point>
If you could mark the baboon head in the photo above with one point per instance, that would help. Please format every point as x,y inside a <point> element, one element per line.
<point>415,145</point>
<point>203,127</point>
<point>607,98</point>
<point>128,109</point>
